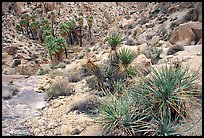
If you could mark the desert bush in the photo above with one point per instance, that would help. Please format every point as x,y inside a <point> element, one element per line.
<point>92,82</point>
<point>42,71</point>
<point>55,73</point>
<point>60,88</point>
<point>173,25</point>
<point>172,50</point>
<point>169,90</point>
<point>123,116</point>
<point>61,65</point>
<point>153,53</point>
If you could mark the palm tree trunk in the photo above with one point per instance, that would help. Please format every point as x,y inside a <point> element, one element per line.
<point>80,35</point>
<point>61,55</point>
<point>89,32</point>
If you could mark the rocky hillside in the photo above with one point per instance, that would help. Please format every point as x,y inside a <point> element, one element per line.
<point>160,33</point>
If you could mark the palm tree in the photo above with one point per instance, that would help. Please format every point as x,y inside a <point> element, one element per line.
<point>52,17</point>
<point>80,23</point>
<point>23,23</point>
<point>27,18</point>
<point>33,17</point>
<point>90,22</point>
<point>72,31</point>
<point>60,44</point>
<point>19,28</point>
<point>64,33</point>
<point>34,27</point>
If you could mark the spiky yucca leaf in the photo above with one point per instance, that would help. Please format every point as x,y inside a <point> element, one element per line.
<point>114,40</point>
<point>126,56</point>
<point>122,116</point>
<point>169,88</point>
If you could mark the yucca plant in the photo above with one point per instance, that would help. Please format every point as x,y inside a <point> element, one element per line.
<point>169,89</point>
<point>123,116</point>
<point>90,23</point>
<point>166,127</point>
<point>114,40</point>
<point>153,53</point>
<point>126,57</point>
<point>46,32</point>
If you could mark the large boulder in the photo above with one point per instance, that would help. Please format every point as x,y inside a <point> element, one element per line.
<point>183,36</point>
<point>197,12</point>
<point>187,33</point>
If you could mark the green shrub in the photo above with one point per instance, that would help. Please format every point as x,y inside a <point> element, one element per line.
<point>60,88</point>
<point>114,40</point>
<point>55,73</point>
<point>168,90</point>
<point>174,49</point>
<point>61,65</point>
<point>173,25</point>
<point>42,71</point>
<point>92,82</point>
<point>123,116</point>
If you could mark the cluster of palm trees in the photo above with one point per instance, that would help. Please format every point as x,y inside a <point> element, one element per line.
<point>70,33</point>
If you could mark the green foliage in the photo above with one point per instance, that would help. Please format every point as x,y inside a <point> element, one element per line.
<point>92,83</point>
<point>173,25</point>
<point>71,24</point>
<point>54,45</point>
<point>90,21</point>
<point>60,88</point>
<point>114,40</point>
<point>23,23</point>
<point>35,25</point>
<point>169,89</point>
<point>122,115</point>
<point>126,56</point>
<point>33,17</point>
<point>153,53</point>
<point>44,22</point>
<point>42,71</point>
<point>55,73</point>
<point>19,27</point>
<point>80,21</point>
<point>61,65</point>
<point>26,16</point>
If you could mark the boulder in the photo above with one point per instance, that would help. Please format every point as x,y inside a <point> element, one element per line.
<point>11,50</point>
<point>49,6</point>
<point>142,64</point>
<point>142,47</point>
<point>197,12</point>
<point>18,6</point>
<point>196,28</point>
<point>183,36</point>
<point>154,40</point>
